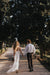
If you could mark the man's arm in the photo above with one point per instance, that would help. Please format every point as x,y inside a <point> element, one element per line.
<point>20,51</point>
<point>25,51</point>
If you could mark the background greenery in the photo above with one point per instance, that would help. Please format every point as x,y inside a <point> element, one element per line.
<point>26,19</point>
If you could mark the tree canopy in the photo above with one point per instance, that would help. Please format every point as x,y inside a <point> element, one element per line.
<point>24,19</point>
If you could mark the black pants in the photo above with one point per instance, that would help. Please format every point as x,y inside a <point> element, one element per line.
<point>29,58</point>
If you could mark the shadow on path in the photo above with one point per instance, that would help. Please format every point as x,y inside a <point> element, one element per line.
<point>46,65</point>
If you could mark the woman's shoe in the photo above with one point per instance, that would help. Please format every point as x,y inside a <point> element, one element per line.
<point>17,71</point>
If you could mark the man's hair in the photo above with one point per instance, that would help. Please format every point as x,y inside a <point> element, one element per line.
<point>28,40</point>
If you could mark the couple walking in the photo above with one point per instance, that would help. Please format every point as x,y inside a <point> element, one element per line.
<point>29,50</point>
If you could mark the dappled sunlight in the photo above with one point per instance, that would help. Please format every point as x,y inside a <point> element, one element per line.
<point>21,20</point>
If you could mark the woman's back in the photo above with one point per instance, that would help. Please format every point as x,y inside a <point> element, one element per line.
<point>17,48</point>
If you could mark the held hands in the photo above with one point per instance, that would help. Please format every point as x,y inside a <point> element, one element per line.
<point>22,54</point>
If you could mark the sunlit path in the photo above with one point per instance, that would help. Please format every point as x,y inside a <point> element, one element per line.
<point>5,64</point>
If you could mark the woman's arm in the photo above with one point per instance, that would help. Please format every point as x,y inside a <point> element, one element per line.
<point>15,51</point>
<point>21,51</point>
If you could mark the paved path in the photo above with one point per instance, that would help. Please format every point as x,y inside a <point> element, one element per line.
<point>5,64</point>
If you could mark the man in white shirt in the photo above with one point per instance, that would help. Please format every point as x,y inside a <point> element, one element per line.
<point>29,50</point>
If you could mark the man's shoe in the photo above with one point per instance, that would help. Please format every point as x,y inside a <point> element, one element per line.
<point>31,70</point>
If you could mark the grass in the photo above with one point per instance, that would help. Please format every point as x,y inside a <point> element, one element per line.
<point>37,52</point>
<point>46,57</point>
<point>45,61</point>
<point>3,50</point>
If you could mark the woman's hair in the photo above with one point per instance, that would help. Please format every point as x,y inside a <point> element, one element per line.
<point>16,43</point>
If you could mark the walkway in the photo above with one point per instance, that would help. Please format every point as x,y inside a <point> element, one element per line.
<point>6,63</point>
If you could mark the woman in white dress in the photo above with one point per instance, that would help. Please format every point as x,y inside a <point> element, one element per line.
<point>17,51</point>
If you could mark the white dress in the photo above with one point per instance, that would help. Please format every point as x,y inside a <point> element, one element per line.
<point>16,62</point>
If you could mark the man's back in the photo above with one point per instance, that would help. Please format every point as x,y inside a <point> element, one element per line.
<point>30,48</point>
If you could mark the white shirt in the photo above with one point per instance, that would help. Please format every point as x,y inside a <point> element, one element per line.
<point>30,48</point>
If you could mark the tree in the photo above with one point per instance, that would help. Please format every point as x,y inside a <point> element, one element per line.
<point>26,19</point>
